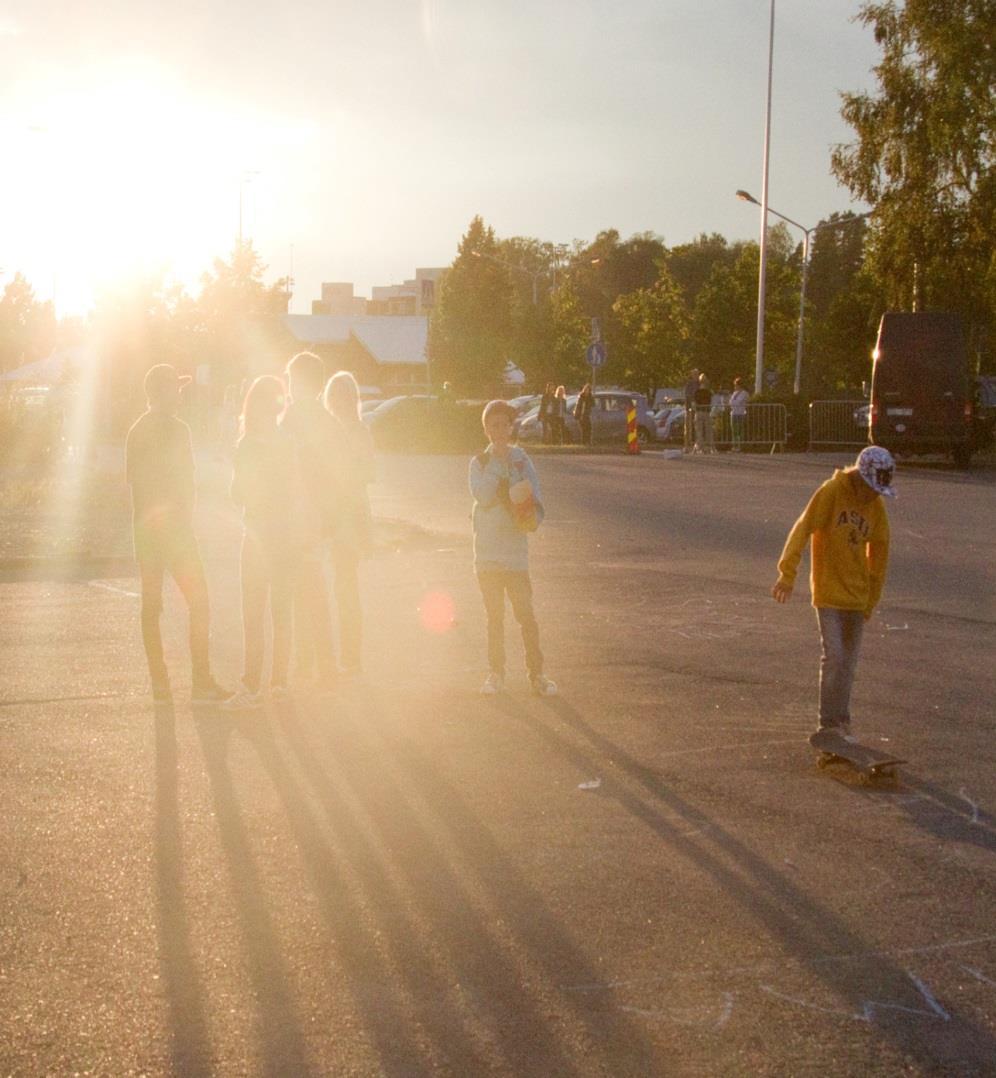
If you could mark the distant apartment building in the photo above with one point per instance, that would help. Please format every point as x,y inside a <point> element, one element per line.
<point>414,297</point>
<point>338,299</point>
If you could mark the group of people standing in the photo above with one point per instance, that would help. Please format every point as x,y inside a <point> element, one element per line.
<point>302,464</point>
<point>699,413</point>
<point>553,414</point>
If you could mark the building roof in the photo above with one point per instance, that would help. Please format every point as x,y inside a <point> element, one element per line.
<point>388,338</point>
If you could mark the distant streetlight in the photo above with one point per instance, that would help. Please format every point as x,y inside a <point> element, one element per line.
<point>745,196</point>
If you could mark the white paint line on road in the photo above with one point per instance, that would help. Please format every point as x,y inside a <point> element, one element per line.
<point>113,589</point>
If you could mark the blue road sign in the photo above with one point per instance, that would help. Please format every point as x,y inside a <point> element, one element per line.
<point>595,354</point>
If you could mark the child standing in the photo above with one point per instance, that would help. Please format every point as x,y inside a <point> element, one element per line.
<point>504,510</point>
<point>850,552</point>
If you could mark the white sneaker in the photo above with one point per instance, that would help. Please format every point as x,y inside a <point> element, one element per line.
<point>543,686</point>
<point>494,684</point>
<point>243,700</point>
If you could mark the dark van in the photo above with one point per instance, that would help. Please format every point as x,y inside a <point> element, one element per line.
<point>921,398</point>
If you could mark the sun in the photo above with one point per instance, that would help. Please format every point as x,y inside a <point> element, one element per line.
<point>129,174</point>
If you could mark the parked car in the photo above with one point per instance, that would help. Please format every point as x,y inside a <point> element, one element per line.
<point>426,424</point>
<point>608,419</point>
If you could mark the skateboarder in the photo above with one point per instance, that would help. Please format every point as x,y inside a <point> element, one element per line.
<point>850,551</point>
<point>159,463</point>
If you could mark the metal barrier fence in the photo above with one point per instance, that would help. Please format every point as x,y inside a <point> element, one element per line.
<point>834,423</point>
<point>764,424</point>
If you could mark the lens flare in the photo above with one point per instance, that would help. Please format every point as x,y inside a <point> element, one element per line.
<point>437,612</point>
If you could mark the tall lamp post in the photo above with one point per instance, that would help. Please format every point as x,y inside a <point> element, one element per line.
<point>763,259</point>
<point>745,196</point>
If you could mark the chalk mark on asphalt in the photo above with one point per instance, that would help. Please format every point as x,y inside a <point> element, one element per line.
<point>762,967</point>
<point>113,589</point>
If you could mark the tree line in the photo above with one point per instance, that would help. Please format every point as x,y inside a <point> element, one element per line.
<point>923,158</point>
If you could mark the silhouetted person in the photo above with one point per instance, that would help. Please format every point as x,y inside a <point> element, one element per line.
<point>582,412</point>
<point>546,416</point>
<point>316,437</point>
<point>159,464</point>
<point>691,385</point>
<point>352,536</point>
<point>265,484</point>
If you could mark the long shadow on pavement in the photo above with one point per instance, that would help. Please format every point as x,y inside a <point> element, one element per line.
<point>190,1047</point>
<point>336,862</point>
<point>279,1034</point>
<point>463,903</point>
<point>807,929</point>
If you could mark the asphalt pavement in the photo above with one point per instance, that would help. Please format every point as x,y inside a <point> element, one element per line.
<point>645,875</point>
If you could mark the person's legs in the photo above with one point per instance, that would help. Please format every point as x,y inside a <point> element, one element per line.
<point>492,586</point>
<point>312,620</point>
<point>255,584</point>
<point>152,572</point>
<point>700,443</point>
<point>688,429</point>
<point>520,593</point>
<point>283,571</point>
<point>840,640</point>
<point>187,570</point>
<point>347,596</point>
<point>737,422</point>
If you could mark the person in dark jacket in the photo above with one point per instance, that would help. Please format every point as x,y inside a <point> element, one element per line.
<point>546,414</point>
<point>582,412</point>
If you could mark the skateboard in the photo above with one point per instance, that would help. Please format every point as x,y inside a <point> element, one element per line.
<point>871,764</point>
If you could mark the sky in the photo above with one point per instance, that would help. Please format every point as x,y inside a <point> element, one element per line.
<point>359,140</point>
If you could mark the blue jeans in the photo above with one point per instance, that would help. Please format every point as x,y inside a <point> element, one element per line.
<point>494,586</point>
<point>840,641</point>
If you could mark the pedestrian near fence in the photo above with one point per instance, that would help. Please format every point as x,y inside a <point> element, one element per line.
<point>546,416</point>
<point>703,417</point>
<point>738,413</point>
<point>691,385</point>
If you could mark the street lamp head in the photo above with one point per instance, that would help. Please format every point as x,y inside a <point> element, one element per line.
<point>746,196</point>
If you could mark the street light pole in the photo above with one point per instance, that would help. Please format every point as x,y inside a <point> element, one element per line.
<point>763,262</point>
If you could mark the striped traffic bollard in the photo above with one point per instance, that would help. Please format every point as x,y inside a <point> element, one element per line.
<point>632,441</point>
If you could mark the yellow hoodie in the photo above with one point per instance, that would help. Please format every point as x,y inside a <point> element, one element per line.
<point>850,547</point>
